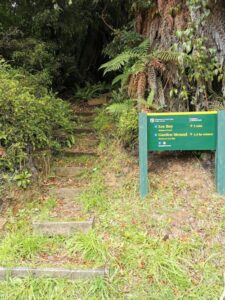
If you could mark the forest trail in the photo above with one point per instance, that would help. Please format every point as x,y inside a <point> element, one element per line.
<point>64,215</point>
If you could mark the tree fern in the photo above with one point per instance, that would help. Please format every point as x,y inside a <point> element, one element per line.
<point>136,68</point>
<point>137,61</point>
<point>125,57</point>
<point>119,61</point>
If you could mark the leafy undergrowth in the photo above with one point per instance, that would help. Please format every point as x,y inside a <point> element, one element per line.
<point>168,246</point>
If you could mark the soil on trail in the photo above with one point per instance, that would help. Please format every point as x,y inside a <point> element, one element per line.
<point>186,184</point>
<point>71,168</point>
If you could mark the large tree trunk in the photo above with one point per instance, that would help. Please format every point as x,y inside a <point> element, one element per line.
<point>161,22</point>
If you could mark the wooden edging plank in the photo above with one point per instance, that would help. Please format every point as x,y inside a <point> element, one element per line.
<point>98,101</point>
<point>84,130</point>
<point>85,113</point>
<point>21,272</point>
<point>66,193</point>
<point>69,171</point>
<point>87,118</point>
<point>62,228</point>
<point>79,153</point>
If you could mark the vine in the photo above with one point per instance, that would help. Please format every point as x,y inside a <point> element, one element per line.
<point>199,66</point>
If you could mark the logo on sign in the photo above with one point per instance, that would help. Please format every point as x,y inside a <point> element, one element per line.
<point>195,120</point>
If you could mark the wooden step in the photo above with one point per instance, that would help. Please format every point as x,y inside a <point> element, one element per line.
<point>85,113</point>
<point>62,228</point>
<point>84,142</point>
<point>84,130</point>
<point>66,193</point>
<point>85,120</point>
<point>62,135</point>
<point>101,100</point>
<point>68,171</point>
<point>71,274</point>
<point>75,153</point>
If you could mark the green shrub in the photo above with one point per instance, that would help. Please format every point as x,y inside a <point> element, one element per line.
<point>119,120</point>
<point>127,127</point>
<point>35,56</point>
<point>29,116</point>
<point>104,123</point>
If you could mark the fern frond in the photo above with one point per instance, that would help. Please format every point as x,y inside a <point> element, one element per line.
<point>118,108</point>
<point>124,77</point>
<point>117,79</point>
<point>138,67</point>
<point>143,48</point>
<point>119,61</point>
<point>165,55</point>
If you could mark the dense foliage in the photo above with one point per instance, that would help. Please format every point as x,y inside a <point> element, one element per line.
<point>62,39</point>
<point>29,116</point>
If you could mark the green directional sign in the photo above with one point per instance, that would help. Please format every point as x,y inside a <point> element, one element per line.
<point>182,131</point>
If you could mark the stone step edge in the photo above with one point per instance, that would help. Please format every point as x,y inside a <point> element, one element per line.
<point>71,274</point>
<point>62,228</point>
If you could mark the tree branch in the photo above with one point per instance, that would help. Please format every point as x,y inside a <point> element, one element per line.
<point>104,16</point>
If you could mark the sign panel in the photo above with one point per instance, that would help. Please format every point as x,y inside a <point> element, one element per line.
<point>182,131</point>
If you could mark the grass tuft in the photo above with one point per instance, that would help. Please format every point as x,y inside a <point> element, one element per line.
<point>95,197</point>
<point>16,247</point>
<point>90,246</point>
<point>54,289</point>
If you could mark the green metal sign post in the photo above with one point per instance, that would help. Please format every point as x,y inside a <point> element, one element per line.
<point>182,131</point>
<point>220,154</point>
<point>143,154</point>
